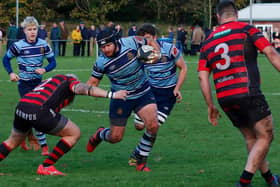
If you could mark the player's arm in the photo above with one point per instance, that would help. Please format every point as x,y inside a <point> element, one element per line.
<point>85,89</point>
<point>181,78</point>
<point>93,81</point>
<point>7,65</point>
<point>213,113</point>
<point>273,56</point>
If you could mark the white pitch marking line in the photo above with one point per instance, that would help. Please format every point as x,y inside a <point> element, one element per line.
<point>85,111</point>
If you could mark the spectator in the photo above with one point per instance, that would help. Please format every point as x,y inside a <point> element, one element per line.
<point>86,38</point>
<point>55,37</point>
<point>118,31</point>
<point>77,38</point>
<point>42,33</point>
<point>276,39</point>
<point>132,31</point>
<point>198,37</point>
<point>11,35</point>
<point>181,38</point>
<point>170,34</point>
<point>63,38</point>
<point>92,35</point>
<point>20,33</point>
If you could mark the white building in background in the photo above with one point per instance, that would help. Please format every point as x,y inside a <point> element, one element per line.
<point>265,16</point>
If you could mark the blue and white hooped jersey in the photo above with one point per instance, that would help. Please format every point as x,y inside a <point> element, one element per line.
<point>162,74</point>
<point>29,57</point>
<point>124,70</point>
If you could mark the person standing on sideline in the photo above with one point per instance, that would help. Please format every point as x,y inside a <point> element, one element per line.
<point>63,38</point>
<point>30,53</point>
<point>230,52</point>
<point>76,38</point>
<point>118,61</point>
<point>85,42</point>
<point>164,82</point>
<point>11,34</point>
<point>42,33</point>
<point>55,37</point>
<point>40,109</point>
<point>92,35</point>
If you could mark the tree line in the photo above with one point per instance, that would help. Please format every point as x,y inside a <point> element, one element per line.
<point>100,11</point>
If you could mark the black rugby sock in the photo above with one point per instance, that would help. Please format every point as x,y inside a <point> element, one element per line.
<point>59,150</point>
<point>4,151</point>
<point>268,176</point>
<point>246,177</point>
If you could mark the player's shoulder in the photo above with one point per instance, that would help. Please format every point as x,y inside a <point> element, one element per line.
<point>41,42</point>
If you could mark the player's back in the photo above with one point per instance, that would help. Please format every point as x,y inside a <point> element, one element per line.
<point>54,92</point>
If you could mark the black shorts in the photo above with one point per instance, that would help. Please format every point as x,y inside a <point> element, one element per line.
<point>246,111</point>
<point>43,119</point>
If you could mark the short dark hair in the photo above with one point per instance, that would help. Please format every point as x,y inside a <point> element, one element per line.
<point>147,28</point>
<point>226,5</point>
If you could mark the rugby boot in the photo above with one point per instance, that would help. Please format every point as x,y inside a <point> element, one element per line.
<point>142,167</point>
<point>94,140</point>
<point>50,170</point>
<point>238,184</point>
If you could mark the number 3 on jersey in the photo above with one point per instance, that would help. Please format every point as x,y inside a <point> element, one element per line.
<point>224,56</point>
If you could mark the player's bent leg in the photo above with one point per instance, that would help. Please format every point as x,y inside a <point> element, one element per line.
<point>69,134</point>
<point>149,116</point>
<point>11,143</point>
<point>264,134</point>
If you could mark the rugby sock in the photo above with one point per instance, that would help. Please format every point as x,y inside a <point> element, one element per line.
<point>246,177</point>
<point>268,176</point>
<point>144,148</point>
<point>59,150</point>
<point>104,135</point>
<point>42,138</point>
<point>4,151</point>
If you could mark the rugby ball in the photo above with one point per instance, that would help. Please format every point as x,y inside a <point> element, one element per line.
<point>146,54</point>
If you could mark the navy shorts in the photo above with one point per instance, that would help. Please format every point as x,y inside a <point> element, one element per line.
<point>120,110</point>
<point>165,99</point>
<point>27,86</point>
<point>246,111</point>
<point>43,119</point>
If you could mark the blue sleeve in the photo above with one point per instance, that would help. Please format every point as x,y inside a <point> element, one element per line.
<point>7,64</point>
<point>51,65</point>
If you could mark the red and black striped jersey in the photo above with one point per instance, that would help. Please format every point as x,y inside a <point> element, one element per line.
<point>55,92</point>
<point>230,52</point>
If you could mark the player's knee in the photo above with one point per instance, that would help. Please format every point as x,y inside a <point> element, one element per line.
<point>153,127</point>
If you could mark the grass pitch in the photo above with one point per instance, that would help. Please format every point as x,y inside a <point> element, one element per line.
<point>189,152</point>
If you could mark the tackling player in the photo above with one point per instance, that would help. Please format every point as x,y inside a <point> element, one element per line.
<point>230,52</point>
<point>164,81</point>
<point>40,109</point>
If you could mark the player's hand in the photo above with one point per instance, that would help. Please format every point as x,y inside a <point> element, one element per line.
<point>33,142</point>
<point>14,77</point>
<point>213,115</point>
<point>40,71</point>
<point>178,96</point>
<point>121,94</point>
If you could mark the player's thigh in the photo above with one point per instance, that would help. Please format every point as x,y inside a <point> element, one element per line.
<point>148,114</point>
<point>264,128</point>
